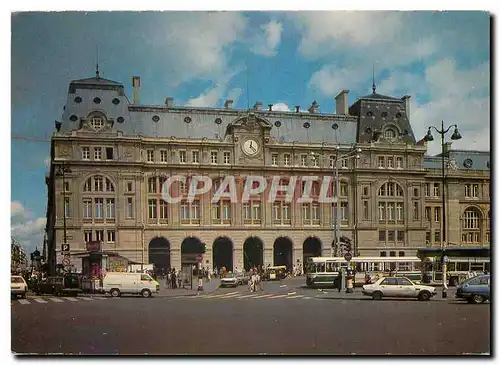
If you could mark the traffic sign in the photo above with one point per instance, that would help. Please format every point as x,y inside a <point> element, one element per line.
<point>65,247</point>
<point>199,258</point>
<point>66,262</point>
<point>348,256</point>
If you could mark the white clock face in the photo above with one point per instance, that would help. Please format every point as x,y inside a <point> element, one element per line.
<point>250,147</point>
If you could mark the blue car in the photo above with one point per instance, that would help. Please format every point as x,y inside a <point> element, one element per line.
<point>475,290</point>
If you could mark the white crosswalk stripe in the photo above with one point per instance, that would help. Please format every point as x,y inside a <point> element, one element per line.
<point>307,298</point>
<point>263,296</point>
<point>243,295</point>
<point>101,298</point>
<point>38,300</point>
<point>279,296</point>
<point>248,296</point>
<point>294,296</point>
<point>85,298</point>
<point>24,301</point>
<point>71,299</point>
<point>57,300</point>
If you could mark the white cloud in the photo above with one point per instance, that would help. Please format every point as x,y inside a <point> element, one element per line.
<point>46,162</point>
<point>281,107</point>
<point>27,230</point>
<point>265,43</point>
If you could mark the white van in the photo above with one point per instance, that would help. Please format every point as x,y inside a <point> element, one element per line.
<point>118,283</point>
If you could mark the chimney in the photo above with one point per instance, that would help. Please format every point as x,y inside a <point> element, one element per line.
<point>169,102</point>
<point>136,84</point>
<point>270,107</point>
<point>258,106</point>
<point>342,105</point>
<point>228,104</point>
<point>313,108</point>
<point>406,99</point>
<point>297,108</point>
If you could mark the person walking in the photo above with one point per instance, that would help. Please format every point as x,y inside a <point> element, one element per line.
<point>173,278</point>
<point>179,278</point>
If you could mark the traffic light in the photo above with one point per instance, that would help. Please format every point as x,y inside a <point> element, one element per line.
<point>347,243</point>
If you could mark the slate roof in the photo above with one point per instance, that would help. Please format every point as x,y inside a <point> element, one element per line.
<point>465,160</point>
<point>375,96</point>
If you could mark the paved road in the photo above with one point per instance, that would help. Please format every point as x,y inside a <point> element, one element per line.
<point>231,324</point>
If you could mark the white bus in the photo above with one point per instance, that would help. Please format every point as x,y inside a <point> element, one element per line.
<point>323,271</point>
<point>457,269</point>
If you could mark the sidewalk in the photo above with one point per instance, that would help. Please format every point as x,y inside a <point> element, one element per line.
<point>208,287</point>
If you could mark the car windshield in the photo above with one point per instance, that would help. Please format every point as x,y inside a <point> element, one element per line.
<point>16,279</point>
<point>230,275</point>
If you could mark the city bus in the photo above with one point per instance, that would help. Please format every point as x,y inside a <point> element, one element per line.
<point>323,271</point>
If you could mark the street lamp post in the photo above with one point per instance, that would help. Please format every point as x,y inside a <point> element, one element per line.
<point>61,171</point>
<point>428,138</point>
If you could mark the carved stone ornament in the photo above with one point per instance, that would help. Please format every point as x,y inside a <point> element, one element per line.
<point>416,161</point>
<point>452,164</point>
<point>128,153</point>
<point>65,151</point>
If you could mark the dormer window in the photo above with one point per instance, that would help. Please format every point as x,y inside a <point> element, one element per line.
<point>97,123</point>
<point>390,134</point>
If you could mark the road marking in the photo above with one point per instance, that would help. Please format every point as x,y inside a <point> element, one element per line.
<point>230,296</point>
<point>264,296</point>
<point>279,296</point>
<point>57,300</point>
<point>24,301</point>
<point>307,298</point>
<point>294,296</point>
<point>292,293</point>
<point>209,296</point>
<point>71,299</point>
<point>85,298</point>
<point>248,296</point>
<point>38,300</point>
<point>101,298</point>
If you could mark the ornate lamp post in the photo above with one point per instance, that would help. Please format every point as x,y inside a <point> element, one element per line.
<point>61,171</point>
<point>428,138</point>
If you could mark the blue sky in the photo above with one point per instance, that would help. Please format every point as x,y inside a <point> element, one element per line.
<point>441,59</point>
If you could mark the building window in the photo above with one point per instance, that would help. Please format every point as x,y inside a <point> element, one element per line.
<point>213,157</point>
<point>152,185</point>
<point>98,205</point>
<point>109,186</point>
<point>401,237</point>
<point>256,211</point>
<point>468,192</point>
<point>428,213</point>
<point>344,212</point>
<point>437,214</point>
<point>129,186</point>
<point>87,209</point>
<point>130,208</point>
<point>274,160</point>
<point>195,210</point>
<point>399,212</point>
<point>303,160</point>
<point>216,212</point>
<point>383,253</point>
<point>152,212</point>
<point>415,211</point>
<point>470,219</point>
<point>399,162</point>
<point>227,158</point>
<point>366,191</point>
<point>343,189</point>
<point>109,153</point>
<point>488,237</point>
<point>389,134</point>
<point>286,208</point>
<point>195,155</point>
<point>286,159</point>
<point>401,253</point>
<point>381,236</point>
<point>390,236</point>
<point>428,236</point>
<point>277,213</point>
<point>182,156</point>
<point>110,208</point>
<point>96,123</point>
<point>437,236</point>
<point>475,190</point>
<point>415,193</point>
<point>390,162</point>
<point>67,212</point>
<point>88,185</point>
<point>163,210</point>
<point>226,211</point>
<point>183,187</point>
<point>163,156</point>
<point>427,190</point>
<point>85,153</point>
<point>97,153</point>
<point>246,212</point>
<point>315,214</point>
<point>111,236</point>
<point>99,235</point>
<point>150,155</point>
<point>365,209</point>
<point>381,162</point>
<point>344,163</point>
<point>436,189</point>
<point>66,186</point>
<point>392,253</point>
<point>87,236</point>
<point>390,211</point>
<point>315,160</point>
<point>381,211</point>
<point>332,162</point>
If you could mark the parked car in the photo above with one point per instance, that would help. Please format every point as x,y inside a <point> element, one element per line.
<point>118,283</point>
<point>475,290</point>
<point>229,280</point>
<point>60,285</point>
<point>398,287</point>
<point>243,278</point>
<point>18,286</point>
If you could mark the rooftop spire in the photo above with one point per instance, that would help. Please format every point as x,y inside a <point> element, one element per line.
<point>97,63</point>
<point>373,75</point>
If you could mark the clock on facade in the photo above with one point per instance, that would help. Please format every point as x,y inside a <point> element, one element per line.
<point>251,147</point>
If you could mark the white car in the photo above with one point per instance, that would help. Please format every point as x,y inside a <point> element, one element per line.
<point>229,280</point>
<point>399,287</point>
<point>18,286</point>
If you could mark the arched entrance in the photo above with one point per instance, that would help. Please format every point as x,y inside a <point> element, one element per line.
<point>222,253</point>
<point>253,252</point>
<point>283,253</point>
<point>159,254</point>
<point>312,248</point>
<point>190,248</point>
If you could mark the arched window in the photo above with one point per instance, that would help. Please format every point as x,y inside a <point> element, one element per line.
<point>390,133</point>
<point>97,123</point>
<point>390,189</point>
<point>471,225</point>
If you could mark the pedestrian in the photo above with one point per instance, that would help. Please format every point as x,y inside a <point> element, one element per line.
<point>179,278</point>
<point>173,278</point>
<point>169,279</point>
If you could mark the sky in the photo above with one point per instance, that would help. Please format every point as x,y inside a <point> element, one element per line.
<point>441,59</point>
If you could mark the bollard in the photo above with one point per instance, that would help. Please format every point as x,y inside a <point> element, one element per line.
<point>445,293</point>
<point>349,288</point>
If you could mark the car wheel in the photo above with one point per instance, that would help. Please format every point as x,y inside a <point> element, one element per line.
<point>23,296</point>
<point>477,299</point>
<point>425,295</point>
<point>453,281</point>
<point>377,295</point>
<point>115,293</point>
<point>145,293</point>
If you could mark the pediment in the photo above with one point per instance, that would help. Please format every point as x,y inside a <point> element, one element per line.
<point>250,122</point>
